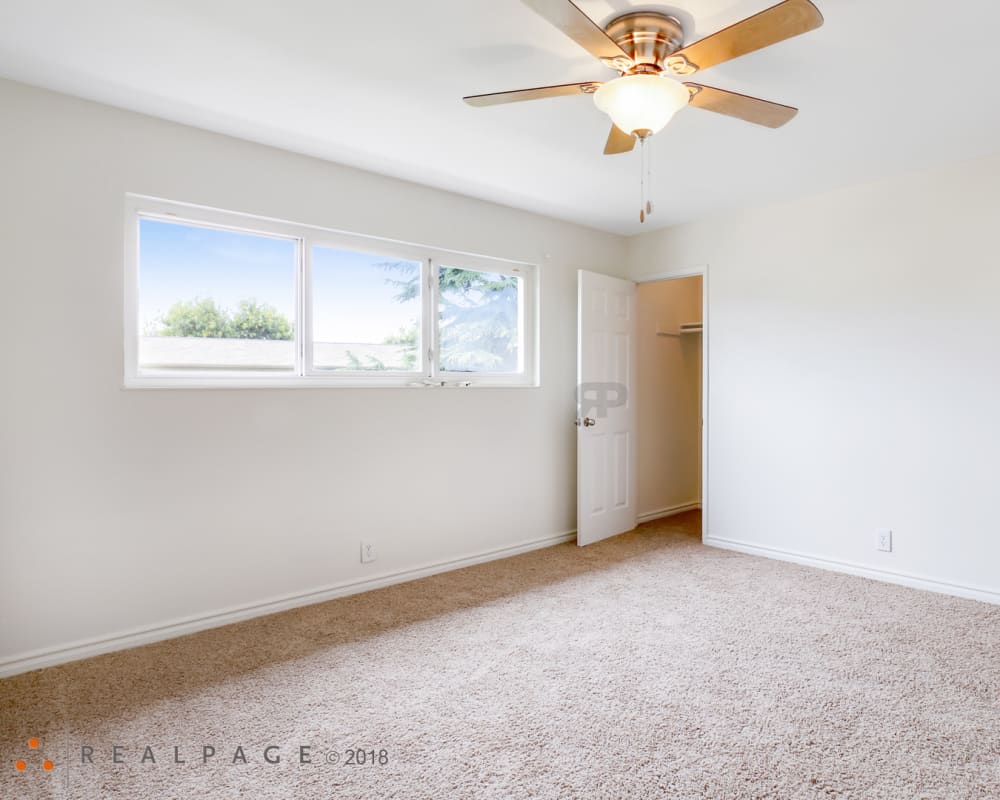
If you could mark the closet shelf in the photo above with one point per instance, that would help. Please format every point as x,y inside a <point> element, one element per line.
<point>685,328</point>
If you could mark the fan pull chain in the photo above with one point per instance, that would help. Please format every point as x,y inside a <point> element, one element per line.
<point>649,180</point>
<point>645,179</point>
<point>642,180</point>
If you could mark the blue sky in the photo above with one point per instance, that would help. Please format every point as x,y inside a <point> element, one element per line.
<point>353,300</point>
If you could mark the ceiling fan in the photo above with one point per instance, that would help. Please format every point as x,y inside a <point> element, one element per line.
<point>647,49</point>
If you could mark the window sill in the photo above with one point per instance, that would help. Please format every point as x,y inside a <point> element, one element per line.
<point>319,382</point>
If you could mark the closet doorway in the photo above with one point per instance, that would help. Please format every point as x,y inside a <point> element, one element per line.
<point>671,388</point>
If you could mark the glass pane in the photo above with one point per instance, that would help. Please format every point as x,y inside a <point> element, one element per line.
<point>366,311</point>
<point>478,318</point>
<point>215,300</point>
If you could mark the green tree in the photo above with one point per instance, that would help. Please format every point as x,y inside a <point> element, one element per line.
<point>201,318</point>
<point>478,321</point>
<point>453,282</point>
<point>478,315</point>
<point>255,320</point>
<point>370,362</point>
<point>407,339</point>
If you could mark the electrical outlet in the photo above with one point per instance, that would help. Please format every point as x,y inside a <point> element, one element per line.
<point>367,551</point>
<point>884,540</point>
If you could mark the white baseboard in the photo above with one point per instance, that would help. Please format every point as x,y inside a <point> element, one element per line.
<point>862,570</point>
<point>50,657</point>
<point>660,513</point>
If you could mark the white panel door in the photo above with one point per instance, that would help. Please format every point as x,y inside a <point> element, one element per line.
<point>606,454</point>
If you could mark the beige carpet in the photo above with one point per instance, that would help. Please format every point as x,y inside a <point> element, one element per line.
<point>646,666</point>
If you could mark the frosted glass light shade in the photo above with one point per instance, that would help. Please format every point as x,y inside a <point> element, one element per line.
<point>641,102</point>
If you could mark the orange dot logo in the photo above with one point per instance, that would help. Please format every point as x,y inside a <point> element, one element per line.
<point>33,744</point>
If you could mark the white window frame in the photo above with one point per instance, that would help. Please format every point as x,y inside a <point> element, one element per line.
<point>304,374</point>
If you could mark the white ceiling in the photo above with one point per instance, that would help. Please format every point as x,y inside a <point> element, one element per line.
<point>883,87</point>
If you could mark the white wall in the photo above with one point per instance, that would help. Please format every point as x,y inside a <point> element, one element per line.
<point>124,510</point>
<point>854,362</point>
<point>668,387</point>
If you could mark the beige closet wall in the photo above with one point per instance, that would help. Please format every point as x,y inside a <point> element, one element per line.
<point>669,400</point>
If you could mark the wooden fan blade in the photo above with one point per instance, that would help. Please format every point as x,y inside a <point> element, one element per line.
<point>774,25</point>
<point>582,30</point>
<point>751,109</point>
<point>618,141</point>
<point>538,93</point>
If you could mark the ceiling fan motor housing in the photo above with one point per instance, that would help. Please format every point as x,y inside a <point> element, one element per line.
<point>648,38</point>
<point>642,45</point>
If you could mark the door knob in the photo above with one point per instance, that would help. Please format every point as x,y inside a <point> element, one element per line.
<point>587,422</point>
